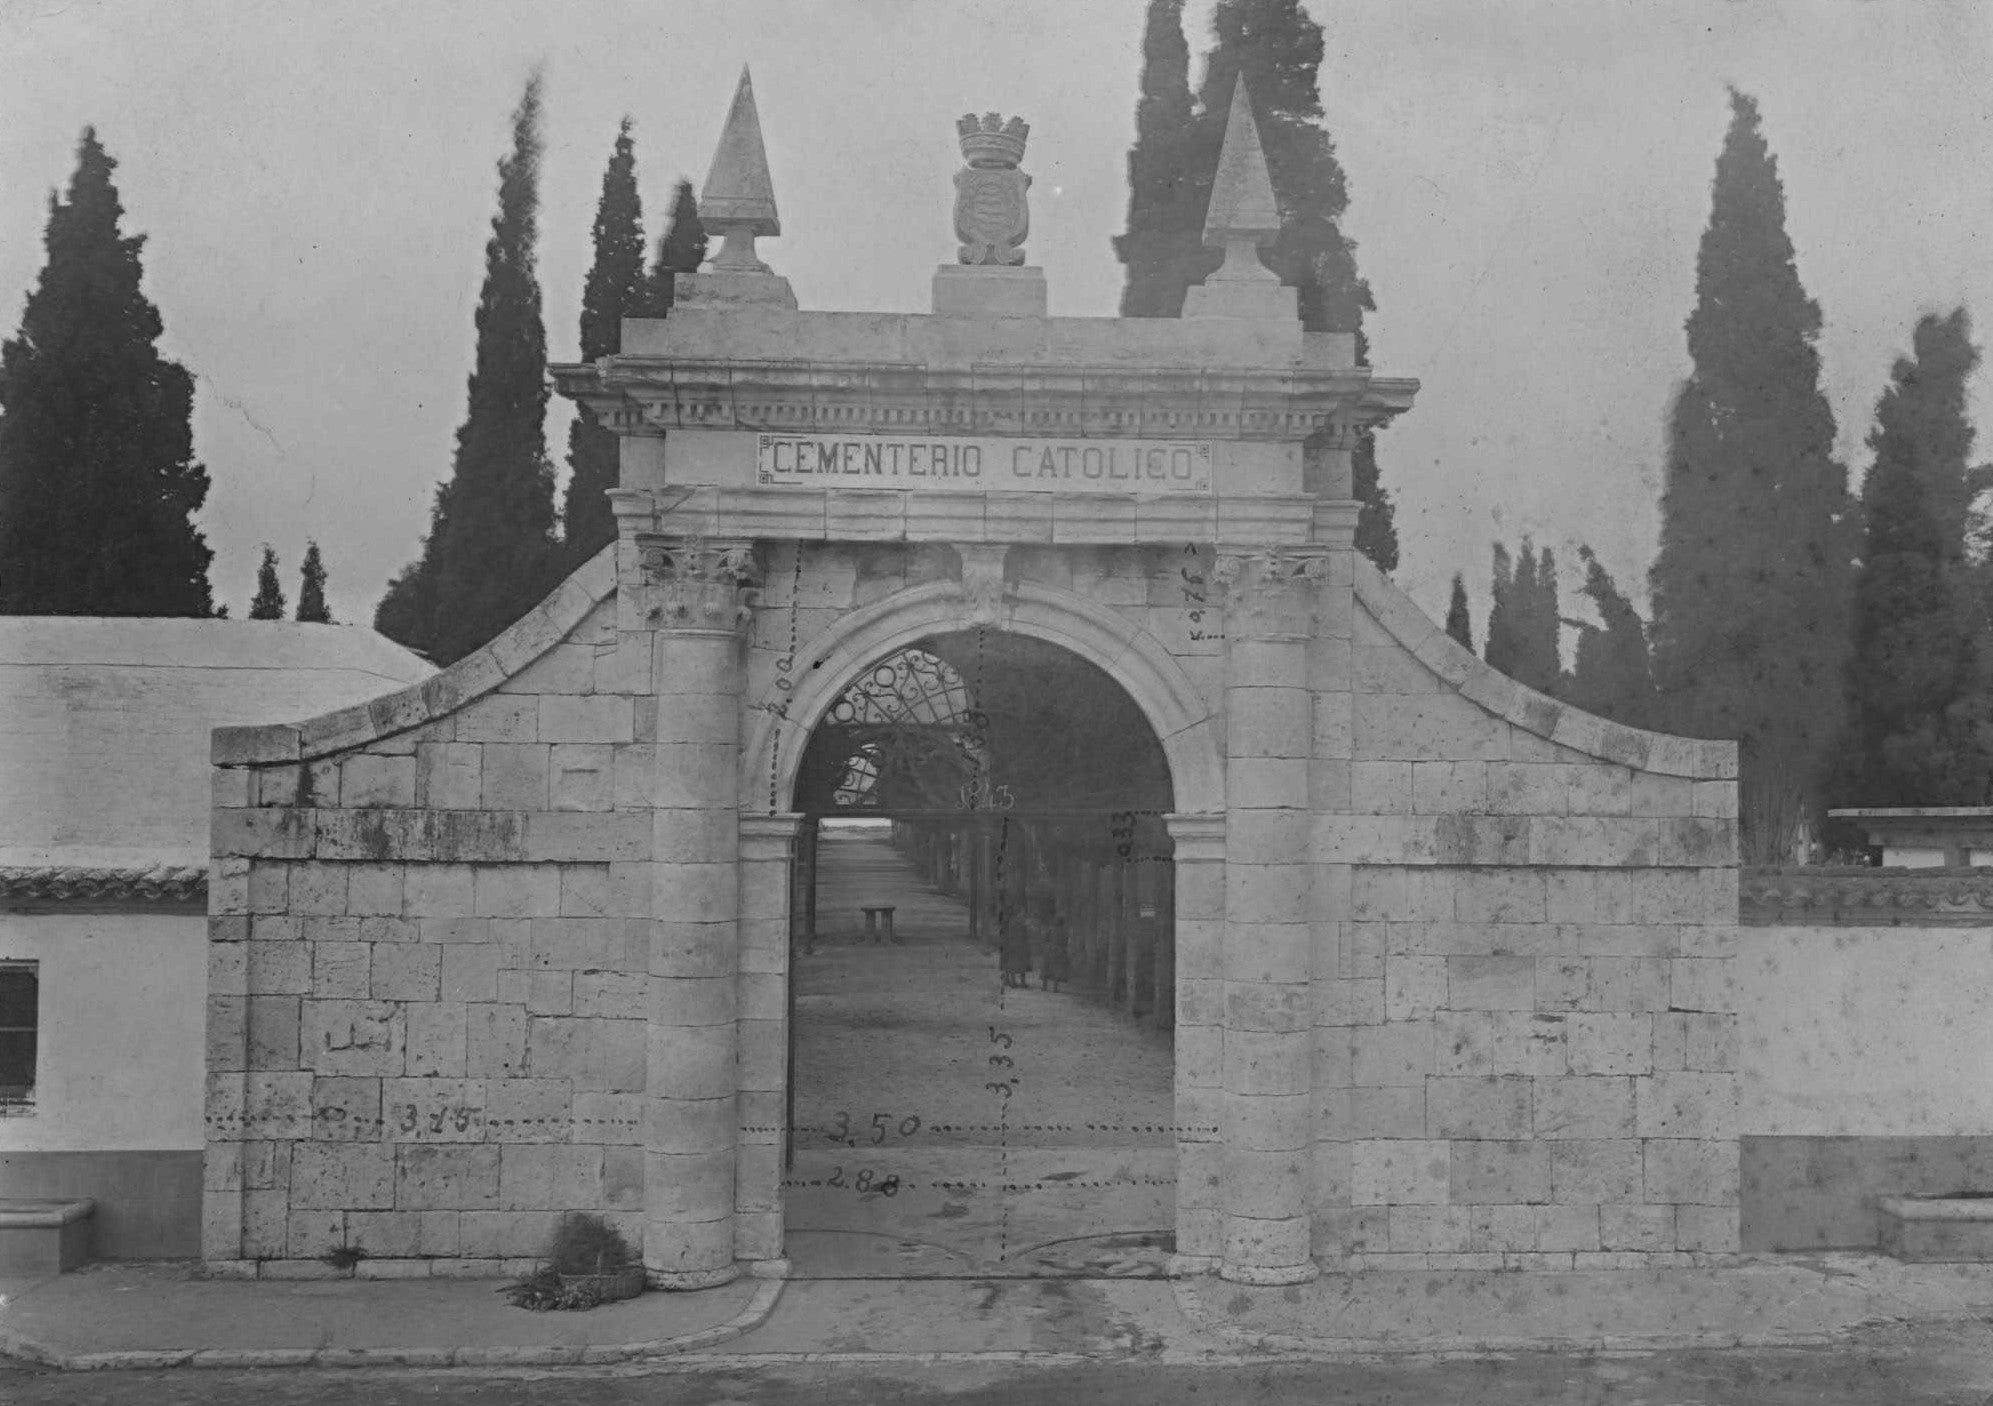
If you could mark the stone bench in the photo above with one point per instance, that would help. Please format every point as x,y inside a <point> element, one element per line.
<point>1938,1229</point>
<point>40,1236</point>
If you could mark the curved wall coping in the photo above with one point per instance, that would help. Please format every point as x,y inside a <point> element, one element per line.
<point>1160,688</point>
<point>470,678</point>
<point>1129,655</point>
<point>1660,752</point>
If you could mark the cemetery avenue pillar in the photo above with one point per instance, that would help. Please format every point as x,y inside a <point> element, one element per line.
<point>690,593</point>
<point>1268,1123</point>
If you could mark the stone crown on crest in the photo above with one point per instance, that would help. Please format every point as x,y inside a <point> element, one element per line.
<point>991,141</point>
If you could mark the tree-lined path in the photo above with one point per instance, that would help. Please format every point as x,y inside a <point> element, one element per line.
<point>894,1045</point>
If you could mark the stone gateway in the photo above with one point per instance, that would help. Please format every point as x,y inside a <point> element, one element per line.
<point>1449,971</point>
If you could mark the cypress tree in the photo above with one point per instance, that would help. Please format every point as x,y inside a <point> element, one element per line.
<point>1458,623</point>
<point>1522,621</point>
<point>1279,49</point>
<point>1751,585</point>
<point>311,588</point>
<point>1610,675</point>
<point>1542,666</point>
<point>1163,247</point>
<point>1500,646</point>
<point>1919,708</point>
<point>269,602</point>
<point>98,481</point>
<point>680,249</point>
<point>613,291</point>
<point>485,561</point>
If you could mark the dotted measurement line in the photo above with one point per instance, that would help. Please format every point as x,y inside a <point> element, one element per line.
<point>784,682</point>
<point>804,1183</point>
<point>1004,1128</point>
<point>326,1116</point>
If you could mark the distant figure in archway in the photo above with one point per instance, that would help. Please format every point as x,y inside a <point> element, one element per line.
<point>1054,964</point>
<point>1014,951</point>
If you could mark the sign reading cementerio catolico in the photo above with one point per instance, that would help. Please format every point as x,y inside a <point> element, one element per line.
<point>987,465</point>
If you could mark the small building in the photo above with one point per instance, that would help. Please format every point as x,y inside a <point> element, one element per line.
<point>104,770</point>
<point>1928,837</point>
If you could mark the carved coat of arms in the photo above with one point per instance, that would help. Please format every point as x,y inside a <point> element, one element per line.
<point>991,218</point>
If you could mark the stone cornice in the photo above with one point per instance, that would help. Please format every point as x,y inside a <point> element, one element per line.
<point>1832,896</point>
<point>1283,403</point>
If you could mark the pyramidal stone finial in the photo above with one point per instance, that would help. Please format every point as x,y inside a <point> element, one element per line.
<point>1242,215</point>
<point>738,199</point>
<point>1242,203</point>
<point>738,204</point>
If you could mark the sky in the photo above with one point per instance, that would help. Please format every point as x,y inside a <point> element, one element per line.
<point>1529,180</point>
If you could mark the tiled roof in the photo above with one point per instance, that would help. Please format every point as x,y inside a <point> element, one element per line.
<point>159,883</point>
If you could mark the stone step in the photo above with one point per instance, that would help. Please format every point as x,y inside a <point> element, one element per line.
<point>45,1236</point>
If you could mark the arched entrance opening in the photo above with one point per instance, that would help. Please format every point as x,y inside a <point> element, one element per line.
<point>981,1080</point>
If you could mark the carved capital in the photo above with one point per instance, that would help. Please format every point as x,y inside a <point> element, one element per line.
<point>983,583</point>
<point>1270,594</point>
<point>689,583</point>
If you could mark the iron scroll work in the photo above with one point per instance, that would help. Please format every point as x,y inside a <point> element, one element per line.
<point>983,720</point>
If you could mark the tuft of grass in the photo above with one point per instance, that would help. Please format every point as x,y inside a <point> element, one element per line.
<point>586,1244</point>
<point>344,1257</point>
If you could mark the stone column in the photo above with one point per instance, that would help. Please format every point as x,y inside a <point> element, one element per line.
<point>767,848</point>
<point>1269,1038</point>
<point>1199,904</point>
<point>689,592</point>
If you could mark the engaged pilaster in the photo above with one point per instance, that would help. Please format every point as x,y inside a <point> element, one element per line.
<point>692,594</point>
<point>1198,858</point>
<point>1268,951</point>
<point>767,846</point>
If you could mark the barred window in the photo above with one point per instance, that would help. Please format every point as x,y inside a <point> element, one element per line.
<point>20,991</point>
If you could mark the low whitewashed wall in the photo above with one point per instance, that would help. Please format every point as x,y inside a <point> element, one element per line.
<point>118,1115</point>
<point>1849,1031</point>
<point>1865,1070</point>
<point>122,1031</point>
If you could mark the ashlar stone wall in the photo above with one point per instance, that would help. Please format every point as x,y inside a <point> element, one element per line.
<point>1527,1031</point>
<point>427,967</point>
<point>1454,961</point>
